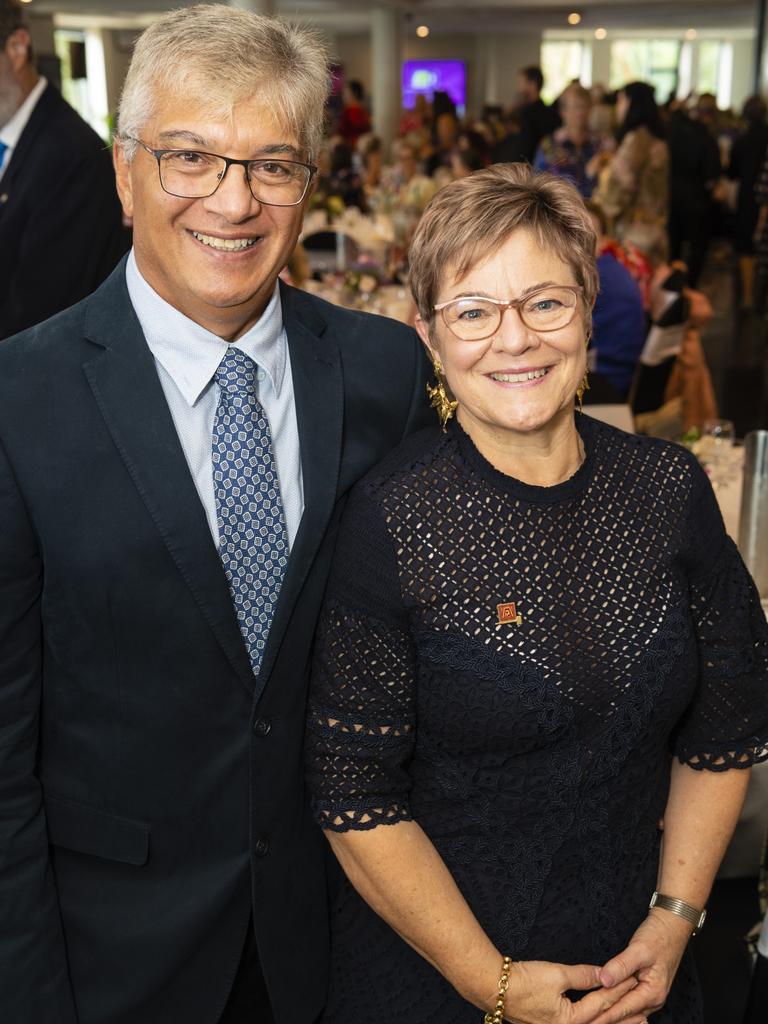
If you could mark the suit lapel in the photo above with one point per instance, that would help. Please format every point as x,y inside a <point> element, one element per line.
<point>126,387</point>
<point>33,130</point>
<point>319,395</point>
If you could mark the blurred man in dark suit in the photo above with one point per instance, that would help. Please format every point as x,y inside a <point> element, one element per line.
<point>61,229</point>
<point>532,119</point>
<point>536,118</point>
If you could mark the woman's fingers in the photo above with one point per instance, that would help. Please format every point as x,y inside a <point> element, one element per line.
<point>580,977</point>
<point>628,962</point>
<point>633,1006</point>
<point>594,1006</point>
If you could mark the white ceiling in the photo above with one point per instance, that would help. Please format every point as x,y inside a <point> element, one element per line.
<point>461,16</point>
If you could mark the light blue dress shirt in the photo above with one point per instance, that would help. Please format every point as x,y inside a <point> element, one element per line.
<point>187,356</point>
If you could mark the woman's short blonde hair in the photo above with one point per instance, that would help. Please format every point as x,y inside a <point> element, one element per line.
<point>221,55</point>
<point>469,220</point>
<point>575,91</point>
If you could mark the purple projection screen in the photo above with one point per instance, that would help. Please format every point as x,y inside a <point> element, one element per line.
<point>430,76</point>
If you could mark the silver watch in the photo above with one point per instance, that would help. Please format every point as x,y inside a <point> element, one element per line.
<point>684,910</point>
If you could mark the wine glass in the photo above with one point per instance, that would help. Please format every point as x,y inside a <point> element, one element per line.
<point>717,437</point>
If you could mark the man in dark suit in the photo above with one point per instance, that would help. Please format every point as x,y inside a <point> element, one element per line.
<point>61,229</point>
<point>175,452</point>
<point>536,118</point>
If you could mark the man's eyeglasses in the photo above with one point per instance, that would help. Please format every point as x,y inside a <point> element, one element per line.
<point>474,317</point>
<point>190,174</point>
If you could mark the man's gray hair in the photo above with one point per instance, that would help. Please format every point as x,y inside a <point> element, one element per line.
<point>222,55</point>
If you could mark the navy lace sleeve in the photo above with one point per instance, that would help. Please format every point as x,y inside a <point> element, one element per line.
<point>361,712</point>
<point>726,725</point>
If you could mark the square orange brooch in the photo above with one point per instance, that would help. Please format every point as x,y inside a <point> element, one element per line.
<point>508,614</point>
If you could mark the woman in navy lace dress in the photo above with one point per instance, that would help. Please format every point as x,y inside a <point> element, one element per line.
<point>538,642</point>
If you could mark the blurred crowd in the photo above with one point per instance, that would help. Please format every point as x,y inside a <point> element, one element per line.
<point>661,180</point>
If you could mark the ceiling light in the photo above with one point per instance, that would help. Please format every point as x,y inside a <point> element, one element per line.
<point>600,33</point>
<point>422,31</point>
<point>574,19</point>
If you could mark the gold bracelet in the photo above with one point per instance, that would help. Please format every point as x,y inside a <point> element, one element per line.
<point>496,1016</point>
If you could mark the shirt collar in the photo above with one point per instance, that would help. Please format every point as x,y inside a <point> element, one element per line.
<point>10,133</point>
<point>189,353</point>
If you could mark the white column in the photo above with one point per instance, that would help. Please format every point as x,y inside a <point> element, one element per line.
<point>694,66</point>
<point>257,6</point>
<point>743,73</point>
<point>488,70</point>
<point>385,72</point>
<point>96,82</point>
<point>601,62</point>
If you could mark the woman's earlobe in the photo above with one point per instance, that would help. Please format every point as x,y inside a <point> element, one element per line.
<point>422,329</point>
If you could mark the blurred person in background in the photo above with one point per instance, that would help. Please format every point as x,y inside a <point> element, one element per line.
<point>536,118</point>
<point>475,138</point>
<point>601,114</point>
<point>508,148</point>
<point>354,119</point>
<point>572,151</point>
<point>619,321</point>
<point>465,162</point>
<point>407,181</point>
<point>694,162</point>
<point>445,137</point>
<point>345,180</point>
<point>761,238</point>
<point>417,118</point>
<point>370,152</point>
<point>633,190</point>
<point>61,226</point>
<point>746,161</point>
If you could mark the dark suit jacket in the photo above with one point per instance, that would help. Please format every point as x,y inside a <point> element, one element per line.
<point>536,121</point>
<point>151,790</point>
<point>61,230</point>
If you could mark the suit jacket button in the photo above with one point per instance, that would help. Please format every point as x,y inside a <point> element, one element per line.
<point>262,726</point>
<point>261,847</point>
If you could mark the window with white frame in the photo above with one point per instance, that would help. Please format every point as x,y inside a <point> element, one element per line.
<point>562,62</point>
<point>715,72</point>
<point>646,60</point>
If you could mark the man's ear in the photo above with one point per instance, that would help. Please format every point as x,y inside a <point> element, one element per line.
<point>123,179</point>
<point>16,49</point>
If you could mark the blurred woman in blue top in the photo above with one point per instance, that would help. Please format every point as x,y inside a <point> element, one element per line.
<point>571,151</point>
<point>619,319</point>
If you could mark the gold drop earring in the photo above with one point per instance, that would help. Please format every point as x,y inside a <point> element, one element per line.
<point>584,385</point>
<point>438,395</point>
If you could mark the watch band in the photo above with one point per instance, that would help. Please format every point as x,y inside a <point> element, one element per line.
<point>682,909</point>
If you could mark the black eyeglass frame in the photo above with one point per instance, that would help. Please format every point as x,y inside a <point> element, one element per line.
<point>158,154</point>
<point>505,304</point>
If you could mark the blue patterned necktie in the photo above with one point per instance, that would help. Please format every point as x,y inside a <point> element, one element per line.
<point>253,541</point>
<point>3,147</point>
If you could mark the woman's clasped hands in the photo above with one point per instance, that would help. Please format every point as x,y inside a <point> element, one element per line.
<point>628,988</point>
<point>536,994</point>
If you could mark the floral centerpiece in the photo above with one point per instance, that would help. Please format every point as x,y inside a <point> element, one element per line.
<point>332,205</point>
<point>362,280</point>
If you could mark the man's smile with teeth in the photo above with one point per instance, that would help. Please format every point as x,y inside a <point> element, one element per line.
<point>518,378</point>
<point>230,244</point>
